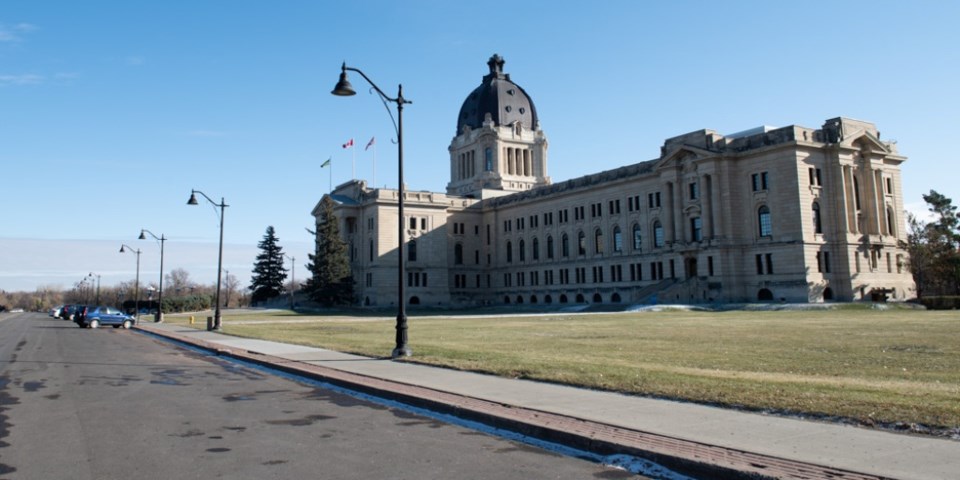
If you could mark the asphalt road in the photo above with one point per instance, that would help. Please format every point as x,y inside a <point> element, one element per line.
<point>116,404</point>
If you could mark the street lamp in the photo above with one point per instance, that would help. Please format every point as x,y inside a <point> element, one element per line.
<point>98,284</point>
<point>193,201</point>
<point>143,231</point>
<point>127,248</point>
<point>293,277</point>
<point>344,89</point>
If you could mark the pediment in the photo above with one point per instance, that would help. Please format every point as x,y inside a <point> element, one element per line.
<point>683,157</point>
<point>864,140</point>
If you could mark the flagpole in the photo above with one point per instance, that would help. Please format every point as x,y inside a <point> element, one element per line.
<point>374,164</point>
<point>353,165</point>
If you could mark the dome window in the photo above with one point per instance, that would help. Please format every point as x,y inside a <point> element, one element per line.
<point>508,108</point>
<point>523,110</point>
<point>511,91</point>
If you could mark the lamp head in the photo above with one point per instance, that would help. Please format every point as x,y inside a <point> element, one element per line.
<point>343,88</point>
<point>142,236</point>
<point>192,201</point>
<point>122,250</point>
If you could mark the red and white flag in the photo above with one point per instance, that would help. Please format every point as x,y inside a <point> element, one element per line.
<point>369,144</point>
<point>348,144</point>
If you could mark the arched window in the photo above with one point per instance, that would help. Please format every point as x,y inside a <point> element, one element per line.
<point>509,251</point>
<point>458,254</point>
<point>565,245</point>
<point>657,234</point>
<point>637,238</point>
<point>581,243</point>
<point>536,248</point>
<point>597,298</point>
<point>617,240</point>
<point>615,298</point>
<point>412,251</point>
<point>817,226</point>
<point>550,247</point>
<point>580,298</point>
<point>763,219</point>
<point>598,241</point>
<point>563,298</point>
<point>523,250</point>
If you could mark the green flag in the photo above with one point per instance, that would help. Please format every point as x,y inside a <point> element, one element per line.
<point>324,164</point>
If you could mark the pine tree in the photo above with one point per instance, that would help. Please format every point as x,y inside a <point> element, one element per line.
<point>331,282</point>
<point>268,272</point>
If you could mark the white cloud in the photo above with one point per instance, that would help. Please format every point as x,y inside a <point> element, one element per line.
<point>21,79</point>
<point>12,34</point>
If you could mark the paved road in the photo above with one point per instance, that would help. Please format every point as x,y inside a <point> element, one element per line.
<point>112,404</point>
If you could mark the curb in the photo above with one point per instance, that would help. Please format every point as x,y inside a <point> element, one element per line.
<point>683,456</point>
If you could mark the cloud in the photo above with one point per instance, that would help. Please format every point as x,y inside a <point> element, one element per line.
<point>21,79</point>
<point>12,34</point>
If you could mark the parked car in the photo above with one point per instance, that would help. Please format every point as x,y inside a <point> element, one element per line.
<point>94,317</point>
<point>55,311</point>
<point>68,312</point>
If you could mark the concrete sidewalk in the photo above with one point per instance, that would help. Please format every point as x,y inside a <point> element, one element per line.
<point>713,441</point>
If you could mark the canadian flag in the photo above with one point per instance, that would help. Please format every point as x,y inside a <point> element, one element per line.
<point>348,144</point>
<point>370,143</point>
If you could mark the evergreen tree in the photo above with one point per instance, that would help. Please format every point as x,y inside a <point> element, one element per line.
<point>935,248</point>
<point>268,272</point>
<point>331,282</point>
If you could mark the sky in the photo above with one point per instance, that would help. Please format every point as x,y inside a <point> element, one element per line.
<point>111,112</point>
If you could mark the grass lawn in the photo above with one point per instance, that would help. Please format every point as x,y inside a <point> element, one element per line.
<point>873,366</point>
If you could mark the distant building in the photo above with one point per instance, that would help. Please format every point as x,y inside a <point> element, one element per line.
<point>771,214</point>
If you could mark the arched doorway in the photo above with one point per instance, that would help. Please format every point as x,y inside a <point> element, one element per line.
<point>563,298</point>
<point>414,300</point>
<point>764,295</point>
<point>580,298</point>
<point>519,299</point>
<point>827,294</point>
<point>615,298</point>
<point>597,298</point>
<point>506,299</point>
<point>533,299</point>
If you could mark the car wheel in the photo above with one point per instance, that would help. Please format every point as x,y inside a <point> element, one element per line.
<point>127,324</point>
<point>94,323</point>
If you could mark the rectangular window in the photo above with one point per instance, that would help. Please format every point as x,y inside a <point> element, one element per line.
<point>819,262</point>
<point>769,257</point>
<point>759,264</point>
<point>694,191</point>
<point>889,182</point>
<point>710,266</point>
<point>696,233</point>
<point>423,223</point>
<point>673,271</point>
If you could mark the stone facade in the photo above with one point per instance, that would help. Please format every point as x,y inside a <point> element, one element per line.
<point>789,214</point>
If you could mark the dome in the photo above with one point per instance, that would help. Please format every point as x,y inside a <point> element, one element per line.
<point>497,95</point>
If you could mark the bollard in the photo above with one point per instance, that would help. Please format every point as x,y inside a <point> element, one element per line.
<point>209,323</point>
<point>191,319</point>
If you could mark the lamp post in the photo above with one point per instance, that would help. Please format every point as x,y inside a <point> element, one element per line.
<point>344,89</point>
<point>143,231</point>
<point>293,277</point>
<point>222,205</point>
<point>125,248</point>
<point>98,284</point>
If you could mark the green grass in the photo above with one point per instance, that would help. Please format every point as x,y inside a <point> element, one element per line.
<point>877,367</point>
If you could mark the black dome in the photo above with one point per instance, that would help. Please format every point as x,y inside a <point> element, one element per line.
<point>497,95</point>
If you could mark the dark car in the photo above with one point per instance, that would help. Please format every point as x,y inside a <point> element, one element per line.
<point>94,317</point>
<point>69,312</point>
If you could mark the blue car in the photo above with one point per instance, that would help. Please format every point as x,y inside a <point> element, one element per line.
<point>96,316</point>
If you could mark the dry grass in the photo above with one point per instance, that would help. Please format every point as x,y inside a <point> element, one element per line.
<point>871,366</point>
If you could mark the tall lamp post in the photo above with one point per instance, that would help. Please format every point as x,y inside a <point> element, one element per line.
<point>222,205</point>
<point>344,89</point>
<point>127,248</point>
<point>293,277</point>
<point>160,240</point>
<point>98,284</point>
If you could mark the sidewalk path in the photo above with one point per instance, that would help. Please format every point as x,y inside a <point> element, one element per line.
<point>713,441</point>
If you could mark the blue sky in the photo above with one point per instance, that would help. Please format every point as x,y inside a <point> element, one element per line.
<point>112,111</point>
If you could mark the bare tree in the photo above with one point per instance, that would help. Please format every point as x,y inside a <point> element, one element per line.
<point>178,280</point>
<point>230,286</point>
